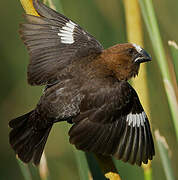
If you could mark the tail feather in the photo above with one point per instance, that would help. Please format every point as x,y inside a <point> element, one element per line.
<point>28,142</point>
<point>39,150</point>
<point>17,122</point>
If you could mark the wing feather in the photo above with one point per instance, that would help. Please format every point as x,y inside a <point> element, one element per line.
<point>119,128</point>
<point>54,42</point>
<point>128,147</point>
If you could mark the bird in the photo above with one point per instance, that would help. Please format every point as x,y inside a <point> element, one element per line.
<point>85,86</point>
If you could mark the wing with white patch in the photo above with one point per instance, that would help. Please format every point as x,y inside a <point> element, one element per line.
<point>53,42</point>
<point>113,122</point>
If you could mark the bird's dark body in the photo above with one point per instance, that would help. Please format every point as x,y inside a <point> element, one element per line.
<point>85,86</point>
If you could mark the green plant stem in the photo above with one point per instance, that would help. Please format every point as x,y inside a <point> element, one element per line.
<point>82,165</point>
<point>96,170</point>
<point>148,174</point>
<point>153,30</point>
<point>164,154</point>
<point>174,53</point>
<point>25,170</point>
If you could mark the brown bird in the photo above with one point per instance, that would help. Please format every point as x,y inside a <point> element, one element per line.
<point>85,86</point>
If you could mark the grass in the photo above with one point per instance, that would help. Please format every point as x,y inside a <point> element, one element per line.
<point>174,52</point>
<point>25,170</point>
<point>158,47</point>
<point>165,155</point>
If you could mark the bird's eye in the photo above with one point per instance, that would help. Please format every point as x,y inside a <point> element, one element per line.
<point>131,50</point>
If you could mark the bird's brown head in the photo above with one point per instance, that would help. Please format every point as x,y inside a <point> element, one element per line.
<point>124,60</point>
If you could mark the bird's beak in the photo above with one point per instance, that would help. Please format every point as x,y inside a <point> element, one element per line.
<point>142,56</point>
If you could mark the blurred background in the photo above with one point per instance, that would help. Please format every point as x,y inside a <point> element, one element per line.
<point>106,21</point>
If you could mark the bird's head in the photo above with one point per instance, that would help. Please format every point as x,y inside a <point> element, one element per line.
<point>124,59</point>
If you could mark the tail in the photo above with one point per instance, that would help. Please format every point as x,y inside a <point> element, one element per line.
<point>27,141</point>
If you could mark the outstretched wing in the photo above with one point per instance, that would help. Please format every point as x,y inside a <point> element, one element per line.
<point>113,122</point>
<point>53,42</point>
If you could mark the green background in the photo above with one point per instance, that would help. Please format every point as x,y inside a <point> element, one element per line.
<point>105,20</point>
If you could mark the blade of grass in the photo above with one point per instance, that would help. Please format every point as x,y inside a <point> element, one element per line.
<point>164,154</point>
<point>135,35</point>
<point>153,30</point>
<point>94,167</point>
<point>174,52</point>
<point>25,170</point>
<point>82,165</point>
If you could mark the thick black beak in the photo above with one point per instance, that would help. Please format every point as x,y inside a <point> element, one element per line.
<point>142,56</point>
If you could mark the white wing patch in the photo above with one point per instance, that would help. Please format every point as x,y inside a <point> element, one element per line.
<point>66,33</point>
<point>137,47</point>
<point>136,119</point>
